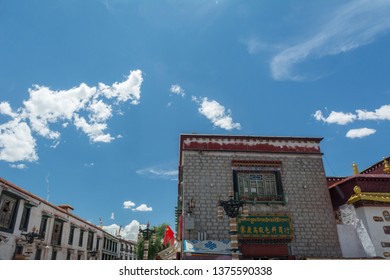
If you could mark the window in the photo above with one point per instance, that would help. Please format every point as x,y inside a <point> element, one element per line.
<point>385,244</point>
<point>258,186</point>
<point>25,218</point>
<point>97,243</point>
<point>90,240</point>
<point>386,214</point>
<point>68,254</point>
<point>258,181</point>
<point>71,235</point>
<point>81,238</point>
<point>42,227</point>
<point>8,211</point>
<point>38,254</point>
<point>54,255</point>
<point>57,232</point>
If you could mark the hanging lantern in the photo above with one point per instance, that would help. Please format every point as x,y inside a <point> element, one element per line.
<point>220,212</point>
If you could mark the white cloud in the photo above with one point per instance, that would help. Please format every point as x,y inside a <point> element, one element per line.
<point>16,142</point>
<point>112,217</point>
<point>131,205</point>
<point>143,208</point>
<point>5,109</point>
<point>254,46</point>
<point>19,166</point>
<point>128,204</point>
<point>156,172</point>
<point>177,89</point>
<point>93,130</point>
<point>128,232</point>
<point>335,117</point>
<point>383,113</point>
<point>46,106</point>
<point>352,25</point>
<point>99,111</point>
<point>216,113</point>
<point>360,132</point>
<point>130,89</point>
<point>83,106</point>
<point>112,229</point>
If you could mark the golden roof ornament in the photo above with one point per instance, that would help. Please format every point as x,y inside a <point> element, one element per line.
<point>357,189</point>
<point>355,169</point>
<point>386,166</point>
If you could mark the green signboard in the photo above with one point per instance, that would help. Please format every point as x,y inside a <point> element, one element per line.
<point>265,227</point>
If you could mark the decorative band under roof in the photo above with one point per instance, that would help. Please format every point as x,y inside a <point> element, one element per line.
<point>275,163</point>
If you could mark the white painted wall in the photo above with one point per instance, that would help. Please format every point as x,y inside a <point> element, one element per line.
<point>375,229</point>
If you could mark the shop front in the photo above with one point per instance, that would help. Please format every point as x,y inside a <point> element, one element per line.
<point>265,237</point>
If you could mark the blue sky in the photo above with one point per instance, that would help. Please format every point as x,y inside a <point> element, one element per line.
<point>94,94</point>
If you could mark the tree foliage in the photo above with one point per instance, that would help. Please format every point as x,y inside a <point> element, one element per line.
<point>154,247</point>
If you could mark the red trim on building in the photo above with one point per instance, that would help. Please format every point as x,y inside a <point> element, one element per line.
<point>256,163</point>
<point>264,250</point>
<point>249,144</point>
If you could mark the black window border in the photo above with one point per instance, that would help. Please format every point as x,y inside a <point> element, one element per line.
<point>258,170</point>
<point>11,229</point>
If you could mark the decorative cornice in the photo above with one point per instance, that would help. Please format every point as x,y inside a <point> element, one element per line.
<point>368,196</point>
<point>265,144</point>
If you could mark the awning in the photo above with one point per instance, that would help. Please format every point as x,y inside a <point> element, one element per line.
<point>215,247</point>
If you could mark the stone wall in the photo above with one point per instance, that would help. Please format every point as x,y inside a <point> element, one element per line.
<point>208,177</point>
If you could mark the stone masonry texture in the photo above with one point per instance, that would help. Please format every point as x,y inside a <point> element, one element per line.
<point>208,177</point>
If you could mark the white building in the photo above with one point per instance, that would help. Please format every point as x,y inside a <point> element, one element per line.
<point>33,228</point>
<point>362,205</point>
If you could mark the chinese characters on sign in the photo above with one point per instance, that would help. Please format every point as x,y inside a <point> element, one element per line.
<point>265,227</point>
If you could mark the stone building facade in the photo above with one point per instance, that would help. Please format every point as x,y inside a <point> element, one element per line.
<point>282,182</point>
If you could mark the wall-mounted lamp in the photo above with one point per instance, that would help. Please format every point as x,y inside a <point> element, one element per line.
<point>30,236</point>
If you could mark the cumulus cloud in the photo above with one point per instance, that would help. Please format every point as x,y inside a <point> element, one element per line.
<point>17,142</point>
<point>341,118</point>
<point>128,232</point>
<point>216,113</point>
<point>352,25</point>
<point>128,204</point>
<point>5,109</point>
<point>19,166</point>
<point>211,109</point>
<point>112,217</point>
<point>87,108</point>
<point>335,117</point>
<point>177,89</point>
<point>130,89</point>
<point>383,113</point>
<point>131,205</point>
<point>142,208</point>
<point>360,132</point>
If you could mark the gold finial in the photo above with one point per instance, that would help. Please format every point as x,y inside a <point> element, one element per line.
<point>355,168</point>
<point>357,190</point>
<point>386,166</point>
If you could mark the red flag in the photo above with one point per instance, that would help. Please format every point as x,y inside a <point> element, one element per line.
<point>169,236</point>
